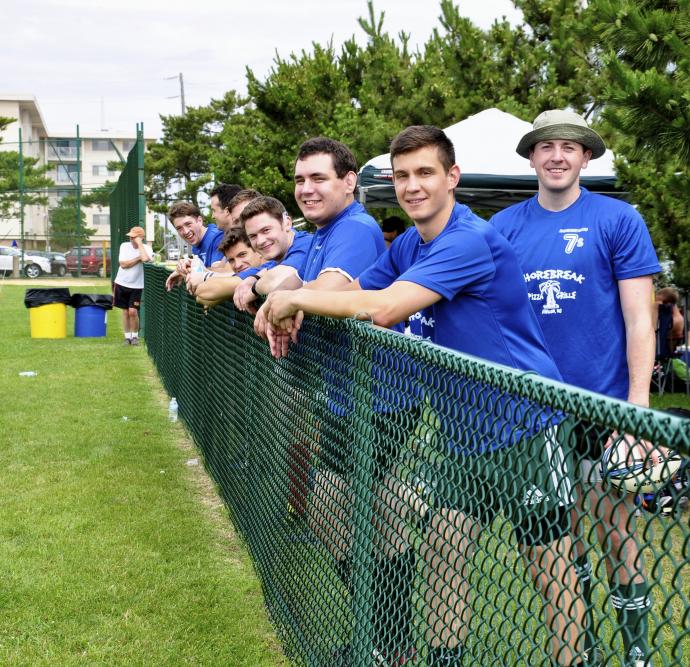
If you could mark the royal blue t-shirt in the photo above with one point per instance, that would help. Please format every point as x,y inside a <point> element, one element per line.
<point>207,249</point>
<point>348,244</point>
<point>572,261</point>
<point>484,312</point>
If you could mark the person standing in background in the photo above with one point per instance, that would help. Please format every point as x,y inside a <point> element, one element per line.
<point>129,281</point>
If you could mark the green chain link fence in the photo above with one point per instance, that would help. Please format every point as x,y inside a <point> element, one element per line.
<point>398,498</point>
<point>128,201</point>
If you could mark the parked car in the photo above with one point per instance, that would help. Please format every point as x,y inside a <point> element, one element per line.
<point>58,263</point>
<point>91,260</point>
<point>33,265</point>
<point>173,253</point>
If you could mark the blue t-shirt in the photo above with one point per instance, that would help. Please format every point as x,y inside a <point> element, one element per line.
<point>348,244</point>
<point>207,250</point>
<point>484,312</point>
<point>571,262</point>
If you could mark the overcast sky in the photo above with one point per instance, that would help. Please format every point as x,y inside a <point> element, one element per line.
<point>104,63</point>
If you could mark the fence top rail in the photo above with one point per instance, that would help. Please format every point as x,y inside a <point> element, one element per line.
<point>662,428</point>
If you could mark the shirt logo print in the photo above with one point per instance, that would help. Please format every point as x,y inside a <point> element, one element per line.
<point>573,239</point>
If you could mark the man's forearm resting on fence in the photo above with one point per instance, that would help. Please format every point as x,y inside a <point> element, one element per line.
<point>252,288</point>
<point>212,287</point>
<point>384,307</point>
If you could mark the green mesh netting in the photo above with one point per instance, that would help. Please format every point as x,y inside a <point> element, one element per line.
<point>399,499</point>
<point>127,201</point>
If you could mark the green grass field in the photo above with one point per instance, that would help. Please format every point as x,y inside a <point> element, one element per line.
<point>114,551</point>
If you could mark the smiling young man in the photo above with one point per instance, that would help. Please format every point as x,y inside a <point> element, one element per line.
<point>239,252</point>
<point>266,251</point>
<point>588,263</point>
<point>459,283</point>
<point>234,210</point>
<point>188,223</point>
<point>269,229</point>
<point>347,239</point>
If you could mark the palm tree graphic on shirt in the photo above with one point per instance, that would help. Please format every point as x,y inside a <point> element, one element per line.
<point>550,288</point>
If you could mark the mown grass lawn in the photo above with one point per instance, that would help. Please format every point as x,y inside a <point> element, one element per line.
<point>113,550</point>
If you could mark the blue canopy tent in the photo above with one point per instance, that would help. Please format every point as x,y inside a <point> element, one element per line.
<point>493,174</point>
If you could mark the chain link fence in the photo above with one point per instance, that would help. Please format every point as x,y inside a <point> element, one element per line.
<point>405,504</point>
<point>127,201</point>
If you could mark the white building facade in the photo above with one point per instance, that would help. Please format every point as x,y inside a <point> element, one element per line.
<point>85,162</point>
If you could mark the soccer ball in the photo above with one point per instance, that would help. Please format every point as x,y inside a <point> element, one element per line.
<point>629,469</point>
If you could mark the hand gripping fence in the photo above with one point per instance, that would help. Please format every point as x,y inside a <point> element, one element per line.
<point>404,504</point>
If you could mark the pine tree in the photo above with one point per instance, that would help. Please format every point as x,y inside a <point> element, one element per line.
<point>646,51</point>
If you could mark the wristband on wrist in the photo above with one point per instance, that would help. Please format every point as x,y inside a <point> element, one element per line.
<point>207,275</point>
<point>254,292</point>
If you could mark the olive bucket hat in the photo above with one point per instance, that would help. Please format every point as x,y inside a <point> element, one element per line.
<point>559,124</point>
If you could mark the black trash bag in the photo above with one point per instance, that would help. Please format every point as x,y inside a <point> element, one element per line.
<point>44,297</point>
<point>104,301</point>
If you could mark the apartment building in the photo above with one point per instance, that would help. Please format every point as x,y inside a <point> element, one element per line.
<point>85,162</point>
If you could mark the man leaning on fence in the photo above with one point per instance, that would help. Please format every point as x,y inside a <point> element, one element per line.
<point>267,232</point>
<point>221,211</point>
<point>347,241</point>
<point>459,283</point>
<point>234,225</point>
<point>188,223</point>
<point>588,263</point>
<point>129,281</point>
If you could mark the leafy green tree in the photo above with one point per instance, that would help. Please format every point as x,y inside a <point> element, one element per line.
<point>298,99</point>
<point>645,47</point>
<point>63,225</point>
<point>364,95</point>
<point>35,180</point>
<point>158,234</point>
<point>182,156</point>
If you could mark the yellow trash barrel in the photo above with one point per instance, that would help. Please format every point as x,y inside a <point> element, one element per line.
<point>47,312</point>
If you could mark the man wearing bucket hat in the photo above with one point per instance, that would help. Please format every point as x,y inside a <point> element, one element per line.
<point>129,281</point>
<point>588,263</point>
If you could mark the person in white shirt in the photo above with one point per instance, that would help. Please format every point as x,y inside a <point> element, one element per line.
<point>129,281</point>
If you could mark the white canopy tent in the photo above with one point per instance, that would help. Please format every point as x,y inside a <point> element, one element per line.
<point>493,174</point>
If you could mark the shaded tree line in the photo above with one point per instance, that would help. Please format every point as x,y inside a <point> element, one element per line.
<point>622,63</point>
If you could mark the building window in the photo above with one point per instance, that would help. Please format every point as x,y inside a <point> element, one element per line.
<point>128,144</point>
<point>100,170</point>
<point>101,219</point>
<point>62,148</point>
<point>101,145</point>
<point>67,173</point>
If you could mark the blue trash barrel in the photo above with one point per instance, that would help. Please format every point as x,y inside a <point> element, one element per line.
<point>91,314</point>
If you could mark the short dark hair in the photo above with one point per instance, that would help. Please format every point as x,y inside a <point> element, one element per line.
<point>668,295</point>
<point>232,238</point>
<point>342,157</point>
<point>225,192</point>
<point>420,136</point>
<point>180,209</point>
<point>242,196</point>
<point>262,204</point>
<point>393,223</point>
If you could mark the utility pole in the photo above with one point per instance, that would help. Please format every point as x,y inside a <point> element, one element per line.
<point>181,95</point>
<point>184,109</point>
